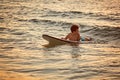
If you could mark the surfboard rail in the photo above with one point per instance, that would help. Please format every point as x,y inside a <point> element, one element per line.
<point>57,41</point>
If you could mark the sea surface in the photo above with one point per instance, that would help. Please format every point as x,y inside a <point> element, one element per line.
<point>23,55</point>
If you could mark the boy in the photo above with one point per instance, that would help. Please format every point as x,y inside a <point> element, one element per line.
<point>74,35</point>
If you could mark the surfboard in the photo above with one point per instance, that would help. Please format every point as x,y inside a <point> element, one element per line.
<point>57,41</point>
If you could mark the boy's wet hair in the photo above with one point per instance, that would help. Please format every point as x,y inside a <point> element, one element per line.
<point>74,28</point>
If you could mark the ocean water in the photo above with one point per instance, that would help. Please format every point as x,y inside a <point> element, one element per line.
<point>23,56</point>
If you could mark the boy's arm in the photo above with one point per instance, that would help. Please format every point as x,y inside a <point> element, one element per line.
<point>78,37</point>
<point>67,37</point>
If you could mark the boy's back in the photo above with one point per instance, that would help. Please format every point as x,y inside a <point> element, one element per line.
<point>73,36</point>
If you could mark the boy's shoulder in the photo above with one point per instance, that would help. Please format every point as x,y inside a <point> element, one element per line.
<point>69,33</point>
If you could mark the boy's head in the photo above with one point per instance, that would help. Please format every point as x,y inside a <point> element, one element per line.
<point>74,28</point>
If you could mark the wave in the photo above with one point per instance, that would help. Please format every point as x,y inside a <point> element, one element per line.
<point>5,56</point>
<point>49,22</point>
<point>105,31</point>
<point>2,28</point>
<point>102,31</point>
<point>65,14</point>
<point>80,14</point>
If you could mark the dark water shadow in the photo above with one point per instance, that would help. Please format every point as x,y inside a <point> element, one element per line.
<point>51,45</point>
<point>75,56</point>
<point>55,45</point>
<point>75,49</point>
